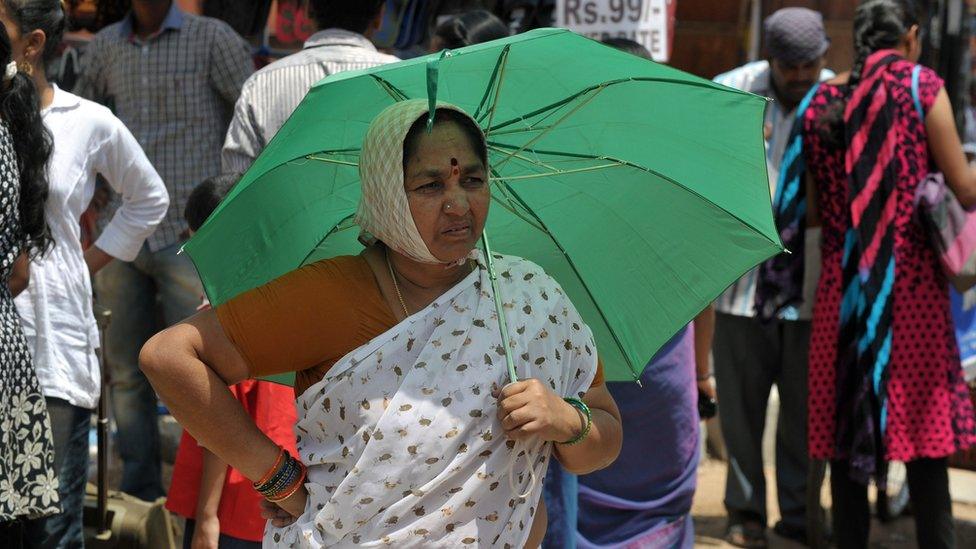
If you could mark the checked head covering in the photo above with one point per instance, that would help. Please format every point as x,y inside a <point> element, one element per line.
<point>384,213</point>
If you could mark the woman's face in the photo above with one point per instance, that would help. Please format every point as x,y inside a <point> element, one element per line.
<point>447,189</point>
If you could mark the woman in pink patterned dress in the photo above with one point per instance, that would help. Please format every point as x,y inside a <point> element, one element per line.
<point>885,377</point>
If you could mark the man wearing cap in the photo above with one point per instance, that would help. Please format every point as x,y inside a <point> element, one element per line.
<point>751,355</point>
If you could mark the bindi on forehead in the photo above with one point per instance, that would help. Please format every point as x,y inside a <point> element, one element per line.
<point>455,169</point>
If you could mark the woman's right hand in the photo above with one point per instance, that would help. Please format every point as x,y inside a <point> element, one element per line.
<point>285,512</point>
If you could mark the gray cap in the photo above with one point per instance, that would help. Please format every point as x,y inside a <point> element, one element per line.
<point>795,35</point>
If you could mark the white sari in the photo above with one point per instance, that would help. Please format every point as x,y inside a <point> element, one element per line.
<point>401,438</point>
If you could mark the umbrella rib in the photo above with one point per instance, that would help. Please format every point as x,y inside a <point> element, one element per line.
<point>563,172</point>
<point>389,88</point>
<point>534,162</point>
<point>494,82</point>
<point>586,286</point>
<point>498,91</point>
<point>338,227</point>
<point>602,85</point>
<point>511,202</point>
<point>543,133</point>
<point>530,128</point>
<point>331,160</point>
<point>658,174</point>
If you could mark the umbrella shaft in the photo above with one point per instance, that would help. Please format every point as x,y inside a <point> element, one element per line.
<point>499,308</point>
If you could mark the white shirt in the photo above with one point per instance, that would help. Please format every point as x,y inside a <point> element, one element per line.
<point>56,307</point>
<point>739,298</point>
<point>270,95</point>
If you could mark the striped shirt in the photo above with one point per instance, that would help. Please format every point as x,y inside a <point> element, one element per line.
<point>739,299</point>
<point>174,91</point>
<point>271,94</point>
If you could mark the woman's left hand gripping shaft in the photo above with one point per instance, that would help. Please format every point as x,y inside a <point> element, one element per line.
<point>529,408</point>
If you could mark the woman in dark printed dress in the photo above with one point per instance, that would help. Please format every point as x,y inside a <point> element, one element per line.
<point>28,486</point>
<point>885,376</point>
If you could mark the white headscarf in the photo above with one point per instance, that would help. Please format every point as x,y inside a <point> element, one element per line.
<point>384,213</point>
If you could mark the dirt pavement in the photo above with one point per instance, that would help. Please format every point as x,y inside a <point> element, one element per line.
<point>709,514</point>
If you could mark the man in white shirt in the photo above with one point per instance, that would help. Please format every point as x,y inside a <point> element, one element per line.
<point>270,95</point>
<point>750,355</point>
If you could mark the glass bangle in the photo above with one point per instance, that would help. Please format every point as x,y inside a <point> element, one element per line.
<point>585,411</point>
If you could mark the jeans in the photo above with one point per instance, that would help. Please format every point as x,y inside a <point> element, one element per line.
<point>749,358</point>
<point>928,490</point>
<point>70,426</point>
<point>224,542</point>
<point>156,290</point>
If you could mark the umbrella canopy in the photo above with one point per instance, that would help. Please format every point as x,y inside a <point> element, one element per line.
<point>640,188</point>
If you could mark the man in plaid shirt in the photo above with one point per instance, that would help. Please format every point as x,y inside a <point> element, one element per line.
<point>173,79</point>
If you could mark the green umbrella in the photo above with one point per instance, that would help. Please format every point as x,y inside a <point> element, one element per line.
<point>640,188</point>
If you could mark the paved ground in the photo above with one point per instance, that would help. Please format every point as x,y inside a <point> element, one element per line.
<point>710,514</point>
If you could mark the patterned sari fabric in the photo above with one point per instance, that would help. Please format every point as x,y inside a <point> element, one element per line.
<point>401,438</point>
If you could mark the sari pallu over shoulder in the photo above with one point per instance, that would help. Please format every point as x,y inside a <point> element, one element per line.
<point>401,439</point>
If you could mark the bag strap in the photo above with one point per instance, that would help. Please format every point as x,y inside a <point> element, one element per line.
<point>915,98</point>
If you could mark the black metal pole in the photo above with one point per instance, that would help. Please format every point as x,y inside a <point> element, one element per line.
<point>102,316</point>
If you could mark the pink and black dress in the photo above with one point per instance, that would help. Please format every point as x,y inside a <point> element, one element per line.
<point>885,376</point>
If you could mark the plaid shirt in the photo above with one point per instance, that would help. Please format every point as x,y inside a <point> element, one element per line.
<point>175,92</point>
<point>272,93</point>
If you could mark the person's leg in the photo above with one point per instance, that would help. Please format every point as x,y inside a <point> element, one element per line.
<point>12,534</point>
<point>742,352</point>
<point>128,292</point>
<point>188,533</point>
<point>70,425</point>
<point>229,542</point>
<point>180,291</point>
<point>60,413</point>
<point>849,508</point>
<point>928,488</point>
<point>792,461</point>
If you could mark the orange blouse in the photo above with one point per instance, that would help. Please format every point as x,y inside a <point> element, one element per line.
<point>308,319</point>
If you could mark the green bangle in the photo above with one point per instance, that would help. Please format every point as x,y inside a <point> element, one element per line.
<point>584,410</point>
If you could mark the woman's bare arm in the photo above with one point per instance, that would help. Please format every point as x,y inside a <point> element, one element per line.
<point>947,151</point>
<point>190,365</point>
<point>602,445</point>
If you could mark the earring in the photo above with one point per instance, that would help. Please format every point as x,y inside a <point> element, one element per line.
<point>26,68</point>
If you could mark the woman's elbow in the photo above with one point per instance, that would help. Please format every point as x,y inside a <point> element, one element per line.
<point>154,354</point>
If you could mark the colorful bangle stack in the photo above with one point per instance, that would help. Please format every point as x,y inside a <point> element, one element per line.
<point>284,478</point>
<point>585,413</point>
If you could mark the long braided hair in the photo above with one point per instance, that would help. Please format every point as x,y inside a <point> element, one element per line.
<point>878,25</point>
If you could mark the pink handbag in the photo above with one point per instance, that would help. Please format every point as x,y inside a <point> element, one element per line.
<point>950,228</point>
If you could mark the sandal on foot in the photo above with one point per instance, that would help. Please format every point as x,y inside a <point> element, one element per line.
<point>750,535</point>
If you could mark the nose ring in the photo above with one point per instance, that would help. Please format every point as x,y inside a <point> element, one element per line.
<point>448,206</point>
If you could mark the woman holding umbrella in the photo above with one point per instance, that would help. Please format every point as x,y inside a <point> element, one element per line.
<point>408,432</point>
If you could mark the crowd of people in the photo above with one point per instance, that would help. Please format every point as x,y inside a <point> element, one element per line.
<point>853,328</point>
